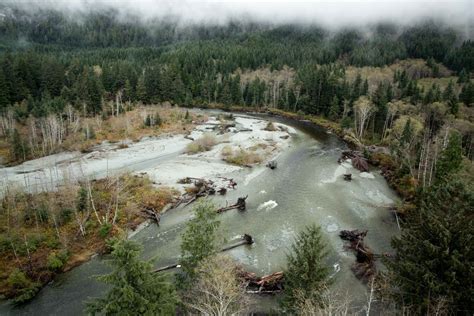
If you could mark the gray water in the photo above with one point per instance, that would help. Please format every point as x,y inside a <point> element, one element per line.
<point>308,188</point>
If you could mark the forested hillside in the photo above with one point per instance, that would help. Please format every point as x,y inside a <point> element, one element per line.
<point>408,89</point>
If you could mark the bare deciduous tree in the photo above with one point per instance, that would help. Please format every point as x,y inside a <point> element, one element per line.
<point>217,290</point>
<point>363,109</point>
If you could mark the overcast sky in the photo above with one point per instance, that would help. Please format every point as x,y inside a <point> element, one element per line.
<point>326,12</point>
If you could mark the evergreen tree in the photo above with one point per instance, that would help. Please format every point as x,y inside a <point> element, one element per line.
<point>463,76</point>
<point>449,95</point>
<point>467,94</point>
<point>142,90</point>
<point>135,289</point>
<point>335,109</point>
<point>434,257</point>
<point>306,276</point>
<point>451,157</point>
<point>19,149</point>
<point>199,241</point>
<point>4,92</point>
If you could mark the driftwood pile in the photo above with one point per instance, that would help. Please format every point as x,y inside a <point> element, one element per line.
<point>358,160</point>
<point>267,284</point>
<point>202,188</point>
<point>364,267</point>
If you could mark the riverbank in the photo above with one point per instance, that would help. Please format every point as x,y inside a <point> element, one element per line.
<point>59,210</point>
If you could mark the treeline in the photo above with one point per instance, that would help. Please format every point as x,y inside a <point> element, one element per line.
<point>294,44</point>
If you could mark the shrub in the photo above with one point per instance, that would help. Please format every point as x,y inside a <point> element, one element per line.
<point>205,143</point>
<point>23,288</point>
<point>56,261</point>
<point>270,127</point>
<point>105,230</point>
<point>65,215</point>
<point>346,122</point>
<point>241,157</point>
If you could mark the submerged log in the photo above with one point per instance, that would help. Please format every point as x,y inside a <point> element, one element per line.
<point>240,205</point>
<point>246,240</point>
<point>272,164</point>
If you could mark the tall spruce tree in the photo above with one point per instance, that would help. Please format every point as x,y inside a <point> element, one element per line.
<point>306,276</point>
<point>450,158</point>
<point>199,241</point>
<point>135,289</point>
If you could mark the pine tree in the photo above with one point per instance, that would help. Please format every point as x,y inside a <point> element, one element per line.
<point>135,289</point>
<point>434,257</point>
<point>306,276</point>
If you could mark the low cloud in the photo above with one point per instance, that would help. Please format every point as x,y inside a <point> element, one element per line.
<point>328,13</point>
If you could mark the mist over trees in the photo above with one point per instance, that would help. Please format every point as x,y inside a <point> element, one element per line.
<point>405,89</point>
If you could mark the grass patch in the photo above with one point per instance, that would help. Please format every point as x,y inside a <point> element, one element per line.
<point>205,143</point>
<point>240,156</point>
<point>270,127</point>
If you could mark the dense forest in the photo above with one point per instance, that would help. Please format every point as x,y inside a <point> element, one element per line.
<point>406,88</point>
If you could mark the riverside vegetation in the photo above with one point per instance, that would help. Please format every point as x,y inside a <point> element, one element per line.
<point>407,90</point>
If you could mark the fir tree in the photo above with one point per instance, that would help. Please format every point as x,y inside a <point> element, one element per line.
<point>463,76</point>
<point>135,289</point>
<point>199,240</point>
<point>19,149</point>
<point>4,92</point>
<point>451,157</point>
<point>467,94</point>
<point>306,276</point>
<point>141,90</point>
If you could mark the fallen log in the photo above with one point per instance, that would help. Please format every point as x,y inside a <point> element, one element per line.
<point>246,239</point>
<point>169,267</point>
<point>240,205</point>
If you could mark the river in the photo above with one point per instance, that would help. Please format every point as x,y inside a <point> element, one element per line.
<point>306,188</point>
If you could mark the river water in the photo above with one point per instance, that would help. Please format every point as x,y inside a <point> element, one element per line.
<point>306,188</point>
